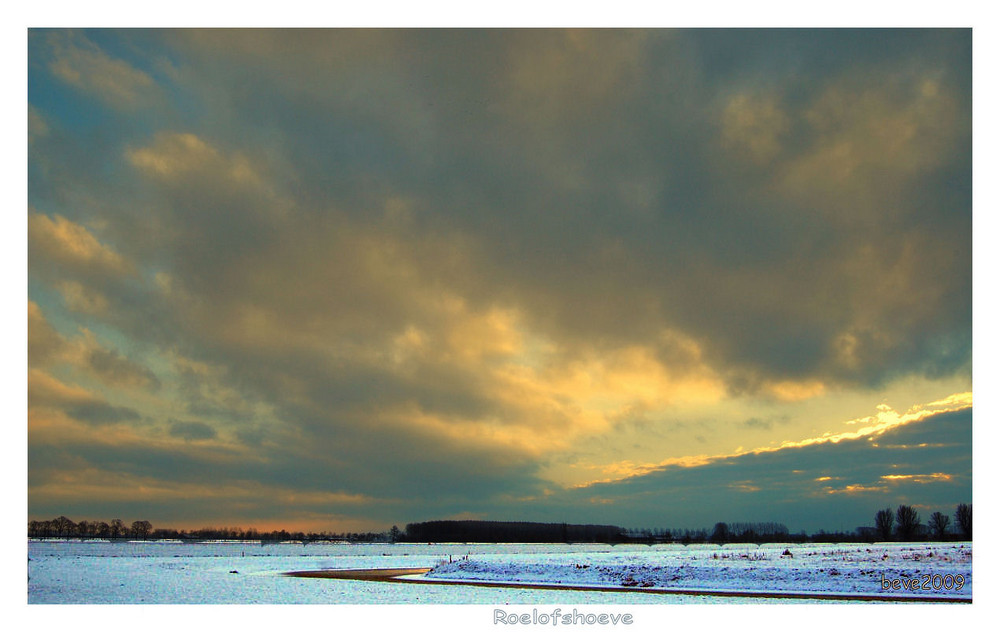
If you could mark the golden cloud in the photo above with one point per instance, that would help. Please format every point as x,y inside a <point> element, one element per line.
<point>856,489</point>
<point>917,478</point>
<point>872,426</point>
<point>744,486</point>
<point>174,155</point>
<point>795,391</point>
<point>104,486</point>
<point>540,398</point>
<point>72,246</point>
<point>46,391</point>
<point>82,64</point>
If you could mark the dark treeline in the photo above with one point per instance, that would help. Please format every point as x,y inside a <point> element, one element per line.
<point>491,531</point>
<point>722,533</point>
<point>755,532</point>
<point>904,525</point>
<point>63,527</point>
<point>901,524</point>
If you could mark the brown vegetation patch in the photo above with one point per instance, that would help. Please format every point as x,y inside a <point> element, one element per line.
<point>364,574</point>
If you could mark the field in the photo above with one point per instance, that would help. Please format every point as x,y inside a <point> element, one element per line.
<point>233,572</point>
<point>903,571</point>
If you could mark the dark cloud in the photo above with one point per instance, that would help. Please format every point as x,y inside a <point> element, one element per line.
<point>46,347</point>
<point>115,368</point>
<point>824,486</point>
<point>432,477</point>
<point>100,413</point>
<point>756,422</point>
<point>376,258</point>
<point>192,430</point>
<point>44,342</point>
<point>649,226</point>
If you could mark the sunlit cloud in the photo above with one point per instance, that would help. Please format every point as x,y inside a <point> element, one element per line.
<point>472,272</point>
<point>81,63</point>
<point>917,478</point>
<point>887,419</point>
<point>72,247</point>
<point>856,489</point>
<point>173,156</point>
<point>876,425</point>
<point>788,391</point>
<point>113,487</point>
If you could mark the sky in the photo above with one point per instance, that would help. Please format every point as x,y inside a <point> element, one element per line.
<point>344,279</point>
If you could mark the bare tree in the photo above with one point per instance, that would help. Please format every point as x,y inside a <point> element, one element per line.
<point>883,523</point>
<point>963,520</point>
<point>939,525</point>
<point>141,528</point>
<point>118,528</point>
<point>907,522</point>
<point>102,530</point>
<point>720,534</point>
<point>64,527</point>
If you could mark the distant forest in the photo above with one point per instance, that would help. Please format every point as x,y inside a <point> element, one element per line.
<point>118,529</point>
<point>488,531</point>
<point>902,524</point>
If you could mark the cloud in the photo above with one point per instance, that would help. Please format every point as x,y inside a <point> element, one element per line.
<point>917,478</point>
<point>192,430</point>
<point>82,64</point>
<point>45,390</point>
<point>860,126</point>
<point>582,262</point>
<point>37,126</point>
<point>753,127</point>
<point>755,422</point>
<point>99,413</point>
<point>177,155</point>
<point>857,489</point>
<point>44,342</point>
<point>74,249</point>
<point>83,299</point>
<point>47,347</point>
<point>568,76</point>
<point>887,419</point>
<point>48,396</point>
<point>827,485</point>
<point>113,368</point>
<point>465,267</point>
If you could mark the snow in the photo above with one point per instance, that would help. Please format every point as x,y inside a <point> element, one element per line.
<point>922,569</point>
<point>85,572</point>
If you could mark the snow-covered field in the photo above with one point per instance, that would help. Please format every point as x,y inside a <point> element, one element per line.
<point>228,572</point>
<point>904,570</point>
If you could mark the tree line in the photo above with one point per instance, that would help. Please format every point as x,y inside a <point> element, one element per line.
<point>904,524</point>
<point>63,527</point>
<point>901,524</point>
<point>496,531</point>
